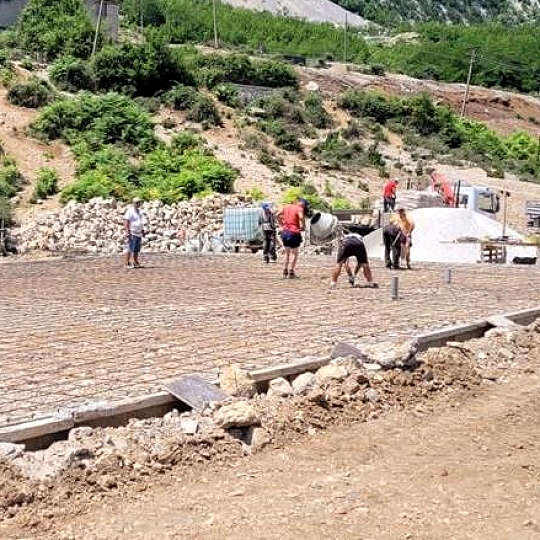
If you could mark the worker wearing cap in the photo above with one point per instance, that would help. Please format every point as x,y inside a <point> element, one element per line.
<point>134,222</point>
<point>293,222</point>
<point>352,245</point>
<point>268,224</point>
<point>389,195</point>
<point>406,226</point>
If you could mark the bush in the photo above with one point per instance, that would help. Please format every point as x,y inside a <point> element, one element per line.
<point>142,70</point>
<point>316,113</point>
<point>54,28</point>
<point>204,111</point>
<point>274,163</point>
<point>228,94</point>
<point>97,120</point>
<point>96,184</point>
<point>256,193</point>
<point>370,105</point>
<point>181,97</point>
<point>46,185</point>
<point>340,203</point>
<point>33,94</point>
<point>284,136</point>
<point>71,74</point>
<point>315,202</point>
<point>11,179</point>
<point>338,152</point>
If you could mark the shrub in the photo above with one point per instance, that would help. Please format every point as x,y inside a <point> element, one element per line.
<point>181,97</point>
<point>54,28</point>
<point>370,105</point>
<point>316,113</point>
<point>204,111</point>
<point>32,94</point>
<point>142,70</point>
<point>96,184</point>
<point>228,94</point>
<point>11,179</point>
<point>337,152</point>
<point>274,163</point>
<point>98,120</point>
<point>256,193</point>
<point>47,183</point>
<point>71,74</point>
<point>340,203</point>
<point>284,136</point>
<point>293,193</point>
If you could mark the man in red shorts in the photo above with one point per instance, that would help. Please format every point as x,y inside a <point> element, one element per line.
<point>352,245</point>
<point>293,222</point>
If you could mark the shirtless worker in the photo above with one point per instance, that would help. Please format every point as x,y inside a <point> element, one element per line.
<point>352,245</point>
<point>406,226</point>
<point>293,222</point>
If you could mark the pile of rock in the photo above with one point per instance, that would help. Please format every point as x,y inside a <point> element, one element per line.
<point>97,226</point>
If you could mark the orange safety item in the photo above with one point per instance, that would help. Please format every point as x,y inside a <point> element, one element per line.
<point>440,184</point>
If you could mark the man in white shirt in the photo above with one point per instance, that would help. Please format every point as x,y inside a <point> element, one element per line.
<point>134,222</point>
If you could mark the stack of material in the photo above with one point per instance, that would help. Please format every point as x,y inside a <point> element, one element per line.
<point>436,230</point>
<point>411,199</point>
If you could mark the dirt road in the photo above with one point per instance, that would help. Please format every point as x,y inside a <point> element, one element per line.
<point>468,469</point>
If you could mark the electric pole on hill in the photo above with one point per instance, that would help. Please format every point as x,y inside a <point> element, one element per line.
<point>466,97</point>
<point>214,12</point>
<point>345,38</point>
<point>98,27</point>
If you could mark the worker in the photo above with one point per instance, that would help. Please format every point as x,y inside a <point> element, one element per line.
<point>352,245</point>
<point>292,219</point>
<point>406,225</point>
<point>268,224</point>
<point>392,245</point>
<point>134,222</point>
<point>389,195</point>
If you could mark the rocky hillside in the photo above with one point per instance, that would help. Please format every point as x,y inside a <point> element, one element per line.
<point>361,12</point>
<point>311,10</point>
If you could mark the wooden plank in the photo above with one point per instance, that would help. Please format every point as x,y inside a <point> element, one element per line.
<point>286,370</point>
<point>37,428</point>
<point>126,406</point>
<point>195,392</point>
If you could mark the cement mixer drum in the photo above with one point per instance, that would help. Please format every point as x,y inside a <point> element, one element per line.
<point>323,227</point>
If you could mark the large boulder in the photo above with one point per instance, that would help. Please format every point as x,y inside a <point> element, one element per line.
<point>331,373</point>
<point>280,387</point>
<point>304,383</point>
<point>237,414</point>
<point>237,382</point>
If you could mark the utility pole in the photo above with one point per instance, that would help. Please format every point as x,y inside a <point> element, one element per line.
<point>98,27</point>
<point>141,18</point>
<point>466,97</point>
<point>345,38</point>
<point>214,12</point>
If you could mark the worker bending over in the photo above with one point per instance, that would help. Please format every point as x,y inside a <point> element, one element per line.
<point>352,245</point>
<point>406,226</point>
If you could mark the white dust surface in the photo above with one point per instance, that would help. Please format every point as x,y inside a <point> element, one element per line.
<point>436,228</point>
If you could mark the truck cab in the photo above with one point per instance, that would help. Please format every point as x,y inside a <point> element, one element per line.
<point>480,199</point>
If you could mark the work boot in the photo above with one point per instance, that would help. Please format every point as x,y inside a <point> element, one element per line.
<point>266,259</point>
<point>285,273</point>
<point>292,275</point>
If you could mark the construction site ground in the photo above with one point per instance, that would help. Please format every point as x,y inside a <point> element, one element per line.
<point>459,465</point>
<point>81,331</point>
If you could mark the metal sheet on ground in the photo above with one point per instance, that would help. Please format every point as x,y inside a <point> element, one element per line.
<point>195,392</point>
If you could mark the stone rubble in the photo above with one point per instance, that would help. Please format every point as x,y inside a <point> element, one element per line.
<point>96,227</point>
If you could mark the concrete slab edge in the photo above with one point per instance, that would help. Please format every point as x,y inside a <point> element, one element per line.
<point>134,406</point>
